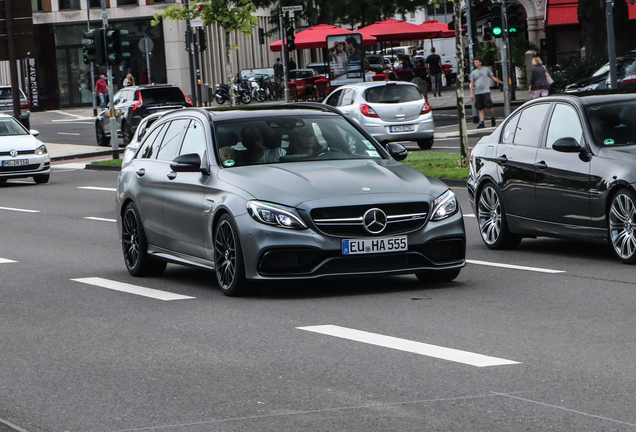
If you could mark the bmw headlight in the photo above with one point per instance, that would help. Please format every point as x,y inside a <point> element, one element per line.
<point>40,150</point>
<point>444,206</point>
<point>275,215</point>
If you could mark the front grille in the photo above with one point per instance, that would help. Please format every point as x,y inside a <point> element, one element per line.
<point>20,152</point>
<point>347,221</point>
<point>30,167</point>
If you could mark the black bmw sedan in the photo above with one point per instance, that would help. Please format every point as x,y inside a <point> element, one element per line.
<point>562,166</point>
<point>293,192</point>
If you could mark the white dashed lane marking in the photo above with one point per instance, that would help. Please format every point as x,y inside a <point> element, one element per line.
<point>132,289</point>
<point>5,261</point>
<point>100,219</point>
<point>19,210</point>
<point>514,267</point>
<point>428,350</point>
<point>105,189</point>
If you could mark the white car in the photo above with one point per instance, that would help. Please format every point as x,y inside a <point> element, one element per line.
<point>388,110</point>
<point>21,154</point>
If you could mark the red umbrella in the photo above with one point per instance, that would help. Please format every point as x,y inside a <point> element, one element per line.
<point>392,30</point>
<point>442,28</point>
<point>316,37</point>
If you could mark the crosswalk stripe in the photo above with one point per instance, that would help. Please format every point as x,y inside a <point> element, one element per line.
<point>132,289</point>
<point>436,351</point>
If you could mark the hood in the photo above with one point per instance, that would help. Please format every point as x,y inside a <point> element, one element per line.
<point>296,182</point>
<point>19,142</point>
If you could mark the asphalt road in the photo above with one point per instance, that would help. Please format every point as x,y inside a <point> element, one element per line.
<point>558,333</point>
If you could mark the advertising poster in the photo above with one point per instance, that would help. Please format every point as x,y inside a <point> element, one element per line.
<point>346,59</point>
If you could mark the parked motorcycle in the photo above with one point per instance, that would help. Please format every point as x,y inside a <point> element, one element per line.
<point>223,94</point>
<point>257,92</point>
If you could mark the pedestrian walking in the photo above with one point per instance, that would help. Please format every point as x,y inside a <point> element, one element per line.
<point>279,69</point>
<point>129,80</point>
<point>538,79</point>
<point>435,69</point>
<point>101,88</point>
<point>480,91</point>
<point>292,64</point>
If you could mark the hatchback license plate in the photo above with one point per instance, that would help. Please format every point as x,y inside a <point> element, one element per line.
<point>15,162</point>
<point>403,128</point>
<point>374,245</point>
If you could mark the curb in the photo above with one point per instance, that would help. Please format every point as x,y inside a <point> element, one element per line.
<point>453,182</point>
<point>95,167</point>
<point>81,155</point>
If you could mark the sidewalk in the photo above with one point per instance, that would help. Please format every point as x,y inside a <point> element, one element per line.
<point>448,101</point>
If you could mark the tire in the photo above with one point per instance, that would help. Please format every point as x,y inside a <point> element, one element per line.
<point>219,99</point>
<point>261,95</point>
<point>127,133</point>
<point>622,225</point>
<point>425,144</point>
<point>102,139</point>
<point>438,275</point>
<point>491,217</point>
<point>228,258</point>
<point>135,247</point>
<point>41,178</point>
<point>246,98</point>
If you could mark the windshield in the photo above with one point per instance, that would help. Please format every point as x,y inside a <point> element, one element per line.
<point>392,94</point>
<point>5,93</point>
<point>613,123</point>
<point>294,138</point>
<point>9,126</point>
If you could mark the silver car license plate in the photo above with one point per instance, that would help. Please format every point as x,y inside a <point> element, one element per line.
<point>402,128</point>
<point>15,162</point>
<point>374,245</point>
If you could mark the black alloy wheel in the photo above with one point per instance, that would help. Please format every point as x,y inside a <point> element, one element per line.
<point>246,98</point>
<point>228,258</point>
<point>492,220</point>
<point>622,225</point>
<point>433,276</point>
<point>135,247</point>
<point>127,133</point>
<point>102,139</point>
<point>425,144</point>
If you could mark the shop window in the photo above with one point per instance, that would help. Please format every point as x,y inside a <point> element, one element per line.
<point>69,4</point>
<point>37,6</point>
<point>95,4</point>
<point>126,2</point>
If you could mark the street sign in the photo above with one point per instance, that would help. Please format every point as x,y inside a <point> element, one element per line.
<point>292,8</point>
<point>146,45</point>
<point>198,21</point>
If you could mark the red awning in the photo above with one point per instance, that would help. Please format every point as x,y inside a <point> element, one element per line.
<point>316,37</point>
<point>392,30</point>
<point>442,28</point>
<point>561,12</point>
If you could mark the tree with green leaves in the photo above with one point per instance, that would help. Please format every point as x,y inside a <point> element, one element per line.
<point>232,15</point>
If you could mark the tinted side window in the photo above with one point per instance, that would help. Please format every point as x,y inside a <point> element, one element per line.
<point>194,140</point>
<point>509,130</point>
<point>529,127</point>
<point>148,150</point>
<point>172,139</point>
<point>348,97</point>
<point>564,123</point>
<point>333,99</point>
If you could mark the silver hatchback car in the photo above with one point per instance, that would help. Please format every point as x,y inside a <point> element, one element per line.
<point>388,110</point>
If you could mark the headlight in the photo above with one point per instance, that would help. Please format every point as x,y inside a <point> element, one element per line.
<point>444,206</point>
<point>275,214</point>
<point>40,150</point>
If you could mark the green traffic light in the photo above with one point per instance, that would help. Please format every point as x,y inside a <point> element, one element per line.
<point>513,30</point>
<point>496,31</point>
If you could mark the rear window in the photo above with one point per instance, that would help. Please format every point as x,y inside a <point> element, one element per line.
<point>392,94</point>
<point>162,95</point>
<point>5,93</point>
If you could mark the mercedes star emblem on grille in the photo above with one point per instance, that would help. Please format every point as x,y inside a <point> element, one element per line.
<point>13,152</point>
<point>374,221</point>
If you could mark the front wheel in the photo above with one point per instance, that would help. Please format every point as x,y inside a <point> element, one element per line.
<point>100,135</point>
<point>41,178</point>
<point>127,133</point>
<point>228,258</point>
<point>622,225</point>
<point>491,216</point>
<point>219,99</point>
<point>135,247</point>
<point>246,98</point>
<point>261,95</point>
<point>425,144</point>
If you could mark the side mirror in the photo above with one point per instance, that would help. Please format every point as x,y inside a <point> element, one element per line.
<point>186,163</point>
<point>34,132</point>
<point>397,151</point>
<point>567,145</point>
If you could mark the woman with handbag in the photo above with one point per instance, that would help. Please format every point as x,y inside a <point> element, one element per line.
<point>540,79</point>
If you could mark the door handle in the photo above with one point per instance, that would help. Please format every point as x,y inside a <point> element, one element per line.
<point>502,159</point>
<point>141,172</point>
<point>345,111</point>
<point>541,165</point>
<point>172,175</point>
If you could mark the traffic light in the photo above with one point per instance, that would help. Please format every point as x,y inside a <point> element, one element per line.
<point>94,48</point>
<point>289,38</point>
<point>201,40</point>
<point>117,50</point>
<point>515,18</point>
<point>496,21</point>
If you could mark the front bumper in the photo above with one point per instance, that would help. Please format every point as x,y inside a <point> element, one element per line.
<point>37,165</point>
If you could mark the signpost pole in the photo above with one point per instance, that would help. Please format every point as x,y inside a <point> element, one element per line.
<point>112,121</point>
<point>13,67</point>
<point>92,65</point>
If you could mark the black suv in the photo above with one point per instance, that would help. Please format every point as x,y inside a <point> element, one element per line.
<point>133,104</point>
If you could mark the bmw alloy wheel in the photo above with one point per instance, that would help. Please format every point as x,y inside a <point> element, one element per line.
<point>492,220</point>
<point>622,226</point>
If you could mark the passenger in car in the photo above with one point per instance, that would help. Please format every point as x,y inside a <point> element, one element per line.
<point>226,153</point>
<point>307,144</point>
<point>253,139</point>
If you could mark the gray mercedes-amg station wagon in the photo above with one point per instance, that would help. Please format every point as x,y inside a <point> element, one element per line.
<point>291,192</point>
